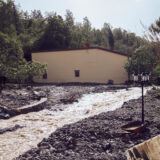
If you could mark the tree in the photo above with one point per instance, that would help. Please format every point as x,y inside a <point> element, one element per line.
<point>34,27</point>
<point>35,69</point>
<point>10,18</point>
<point>77,39</point>
<point>56,35</point>
<point>154,31</point>
<point>156,74</point>
<point>104,32</point>
<point>154,37</point>
<point>86,30</point>
<point>97,37</point>
<point>36,14</point>
<point>142,60</point>
<point>69,19</point>
<point>13,66</point>
<point>118,35</point>
<point>108,36</point>
<point>127,42</point>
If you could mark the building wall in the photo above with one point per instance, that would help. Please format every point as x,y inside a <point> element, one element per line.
<point>95,65</point>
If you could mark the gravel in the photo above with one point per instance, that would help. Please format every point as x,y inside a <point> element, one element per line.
<point>17,98</point>
<point>100,137</point>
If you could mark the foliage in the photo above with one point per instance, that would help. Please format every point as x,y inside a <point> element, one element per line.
<point>69,20</point>
<point>12,65</point>
<point>10,18</point>
<point>10,53</point>
<point>156,74</point>
<point>154,37</point>
<point>109,36</point>
<point>55,36</point>
<point>36,32</point>
<point>34,26</point>
<point>36,69</point>
<point>21,33</point>
<point>18,33</point>
<point>142,60</point>
<point>86,30</point>
<point>154,31</point>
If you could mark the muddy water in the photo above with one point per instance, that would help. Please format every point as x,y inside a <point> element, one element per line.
<point>41,124</point>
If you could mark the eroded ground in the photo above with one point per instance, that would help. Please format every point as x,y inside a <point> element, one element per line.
<point>98,137</point>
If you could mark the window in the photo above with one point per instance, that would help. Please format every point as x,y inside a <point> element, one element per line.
<point>77,73</point>
<point>45,76</point>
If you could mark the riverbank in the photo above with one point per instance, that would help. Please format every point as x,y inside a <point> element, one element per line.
<point>100,137</point>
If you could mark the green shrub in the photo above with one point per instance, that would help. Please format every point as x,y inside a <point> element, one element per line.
<point>156,75</point>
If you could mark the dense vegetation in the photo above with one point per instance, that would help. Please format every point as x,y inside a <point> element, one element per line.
<point>35,32</point>
<point>21,33</point>
<point>13,44</point>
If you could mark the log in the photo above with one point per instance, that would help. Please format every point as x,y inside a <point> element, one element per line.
<point>32,107</point>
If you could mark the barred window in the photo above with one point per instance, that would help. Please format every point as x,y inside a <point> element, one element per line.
<point>77,73</point>
<point>45,76</point>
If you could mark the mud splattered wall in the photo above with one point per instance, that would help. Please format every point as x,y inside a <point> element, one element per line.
<point>82,65</point>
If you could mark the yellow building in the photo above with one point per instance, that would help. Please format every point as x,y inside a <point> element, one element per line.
<point>93,64</point>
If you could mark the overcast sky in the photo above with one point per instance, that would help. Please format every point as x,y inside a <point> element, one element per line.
<point>125,14</point>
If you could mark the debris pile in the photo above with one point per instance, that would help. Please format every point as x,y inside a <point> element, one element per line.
<point>39,125</point>
<point>11,99</point>
<point>12,102</point>
<point>2,131</point>
<point>69,100</point>
<point>147,150</point>
<point>6,113</point>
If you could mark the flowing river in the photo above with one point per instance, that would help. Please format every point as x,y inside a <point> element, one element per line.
<point>39,125</point>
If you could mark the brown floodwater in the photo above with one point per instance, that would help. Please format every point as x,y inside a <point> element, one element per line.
<point>38,125</point>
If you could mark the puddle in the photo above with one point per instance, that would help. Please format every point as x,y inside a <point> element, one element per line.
<point>39,125</point>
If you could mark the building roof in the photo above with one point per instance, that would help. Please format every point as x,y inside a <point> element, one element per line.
<point>71,49</point>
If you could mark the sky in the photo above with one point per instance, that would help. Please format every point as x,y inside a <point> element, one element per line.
<point>125,14</point>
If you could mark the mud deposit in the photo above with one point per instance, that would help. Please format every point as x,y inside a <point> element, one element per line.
<point>23,132</point>
<point>100,137</point>
<point>17,98</point>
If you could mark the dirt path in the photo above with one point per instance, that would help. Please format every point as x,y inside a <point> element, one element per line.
<point>38,125</point>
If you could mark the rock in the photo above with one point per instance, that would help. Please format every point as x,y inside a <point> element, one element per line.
<point>29,88</point>
<point>93,138</point>
<point>158,126</point>
<point>4,116</point>
<point>97,137</point>
<point>87,111</point>
<point>128,119</point>
<point>2,131</point>
<point>106,146</point>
